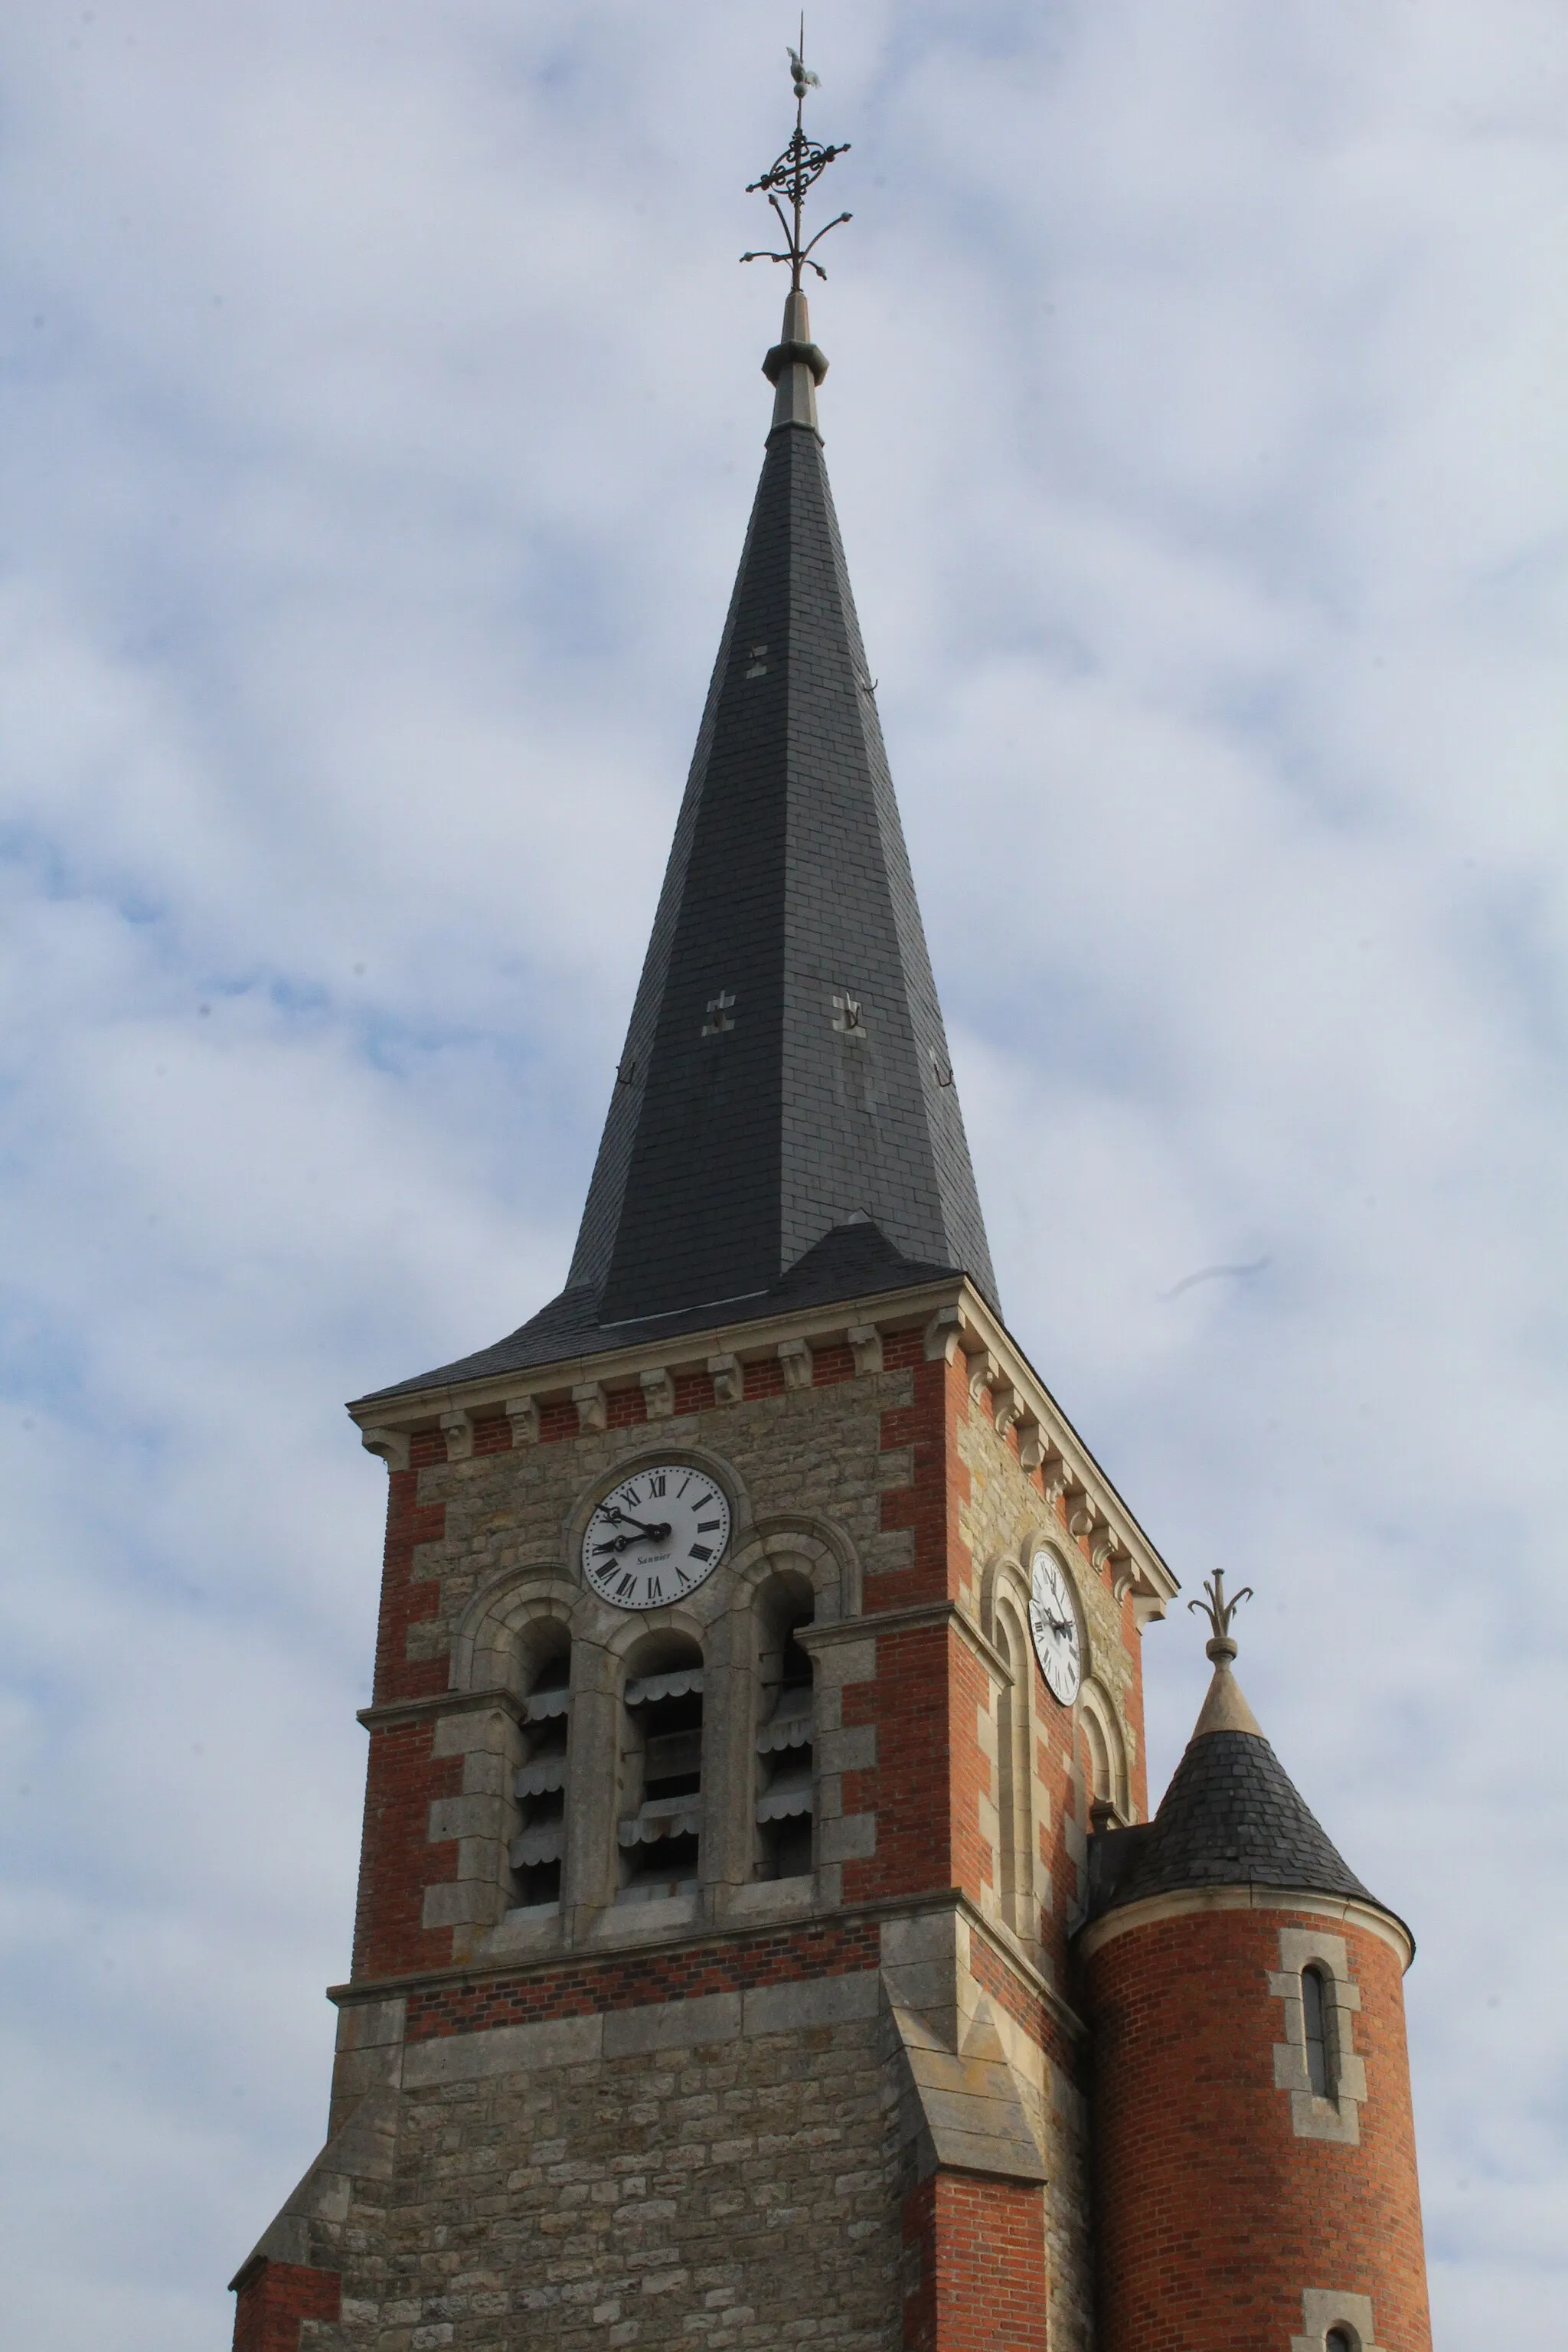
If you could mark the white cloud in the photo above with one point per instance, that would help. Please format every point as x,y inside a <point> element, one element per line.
<point>381,415</point>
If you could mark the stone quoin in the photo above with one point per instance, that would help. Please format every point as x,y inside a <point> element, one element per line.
<point>762,1936</point>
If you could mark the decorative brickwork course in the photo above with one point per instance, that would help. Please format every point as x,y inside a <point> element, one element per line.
<point>1234,2213</point>
<point>585,1987</point>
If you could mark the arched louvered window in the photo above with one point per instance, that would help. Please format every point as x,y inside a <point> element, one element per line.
<point>1317,2021</point>
<point>786,1734</point>
<point>537,1850</point>
<point>660,1828</point>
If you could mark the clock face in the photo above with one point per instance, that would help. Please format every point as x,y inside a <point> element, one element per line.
<point>656,1537</point>
<point>1053,1621</point>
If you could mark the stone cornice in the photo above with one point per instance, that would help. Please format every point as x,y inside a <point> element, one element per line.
<point>687,1352</point>
<point>955,1320</point>
<point>873,1621</point>
<point>448,1702</point>
<point>1188,1902</point>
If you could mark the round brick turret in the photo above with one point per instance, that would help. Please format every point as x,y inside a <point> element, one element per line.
<point>1255,2159</point>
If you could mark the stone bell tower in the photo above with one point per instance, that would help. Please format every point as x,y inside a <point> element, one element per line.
<point>758,1651</point>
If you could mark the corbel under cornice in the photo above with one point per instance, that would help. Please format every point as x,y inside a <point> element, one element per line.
<point>955,1321</point>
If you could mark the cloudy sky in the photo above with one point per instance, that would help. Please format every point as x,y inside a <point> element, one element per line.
<point>381,413</point>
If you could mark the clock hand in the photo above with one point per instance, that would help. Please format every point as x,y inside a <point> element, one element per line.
<point>625,1543</point>
<point>619,1518</point>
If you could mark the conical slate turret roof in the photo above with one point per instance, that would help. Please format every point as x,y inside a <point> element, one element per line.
<point>1231,1816</point>
<point>785,1128</point>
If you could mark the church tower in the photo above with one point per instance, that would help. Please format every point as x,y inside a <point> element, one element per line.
<point>757,1710</point>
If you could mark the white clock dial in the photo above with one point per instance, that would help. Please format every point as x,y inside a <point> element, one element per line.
<point>1053,1623</point>
<point>656,1537</point>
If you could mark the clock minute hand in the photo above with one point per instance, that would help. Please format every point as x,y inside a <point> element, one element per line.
<point>619,1518</point>
<point>623,1517</point>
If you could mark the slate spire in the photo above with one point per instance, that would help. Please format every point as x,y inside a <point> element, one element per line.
<point>785,1128</point>
<point>785,1071</point>
<point>1231,1817</point>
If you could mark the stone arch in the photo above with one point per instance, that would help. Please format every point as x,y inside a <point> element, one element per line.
<point>1017,1842</point>
<point>1004,1575</point>
<point>812,1548</point>
<point>1106,1759</point>
<point>780,1782</point>
<point>665,1781</point>
<point>494,1645</point>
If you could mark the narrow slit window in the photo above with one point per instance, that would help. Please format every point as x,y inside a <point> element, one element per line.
<point>1316,2017</point>
<point>537,1850</point>
<point>786,1750</point>
<point>660,1828</point>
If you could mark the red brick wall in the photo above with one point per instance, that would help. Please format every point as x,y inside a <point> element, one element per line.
<point>583,1987</point>
<point>929,1506</point>
<point>1039,2021</point>
<point>908,1788</point>
<point>275,2298</point>
<point>975,2253</point>
<point>1212,2214</point>
<point>397,1860</point>
<point>405,1599</point>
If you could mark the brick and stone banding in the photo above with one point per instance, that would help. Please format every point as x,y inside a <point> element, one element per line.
<point>1236,2212</point>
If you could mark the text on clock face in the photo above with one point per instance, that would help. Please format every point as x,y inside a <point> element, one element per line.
<point>656,1537</point>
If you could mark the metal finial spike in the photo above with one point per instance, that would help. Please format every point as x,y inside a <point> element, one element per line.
<point>1219,1612</point>
<point>800,166</point>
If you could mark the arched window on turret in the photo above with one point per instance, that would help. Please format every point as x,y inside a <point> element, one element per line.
<point>1317,2016</point>
<point>660,1828</point>
<point>786,1732</point>
<point>536,1853</point>
<point>1340,2339</point>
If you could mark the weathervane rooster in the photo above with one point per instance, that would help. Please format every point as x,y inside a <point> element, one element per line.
<point>801,163</point>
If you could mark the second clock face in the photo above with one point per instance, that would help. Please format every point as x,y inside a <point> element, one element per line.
<point>656,1537</point>
<point>1053,1623</point>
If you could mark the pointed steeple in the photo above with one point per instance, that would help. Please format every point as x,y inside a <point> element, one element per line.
<point>785,1071</point>
<point>1231,1816</point>
<point>785,1128</point>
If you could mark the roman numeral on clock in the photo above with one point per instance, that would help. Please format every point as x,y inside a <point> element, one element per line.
<point>655,1536</point>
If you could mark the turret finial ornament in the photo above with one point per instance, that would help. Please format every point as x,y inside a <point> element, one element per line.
<point>801,163</point>
<point>1219,1612</point>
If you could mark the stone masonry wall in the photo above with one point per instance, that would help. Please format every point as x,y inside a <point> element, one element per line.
<point>736,2193</point>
